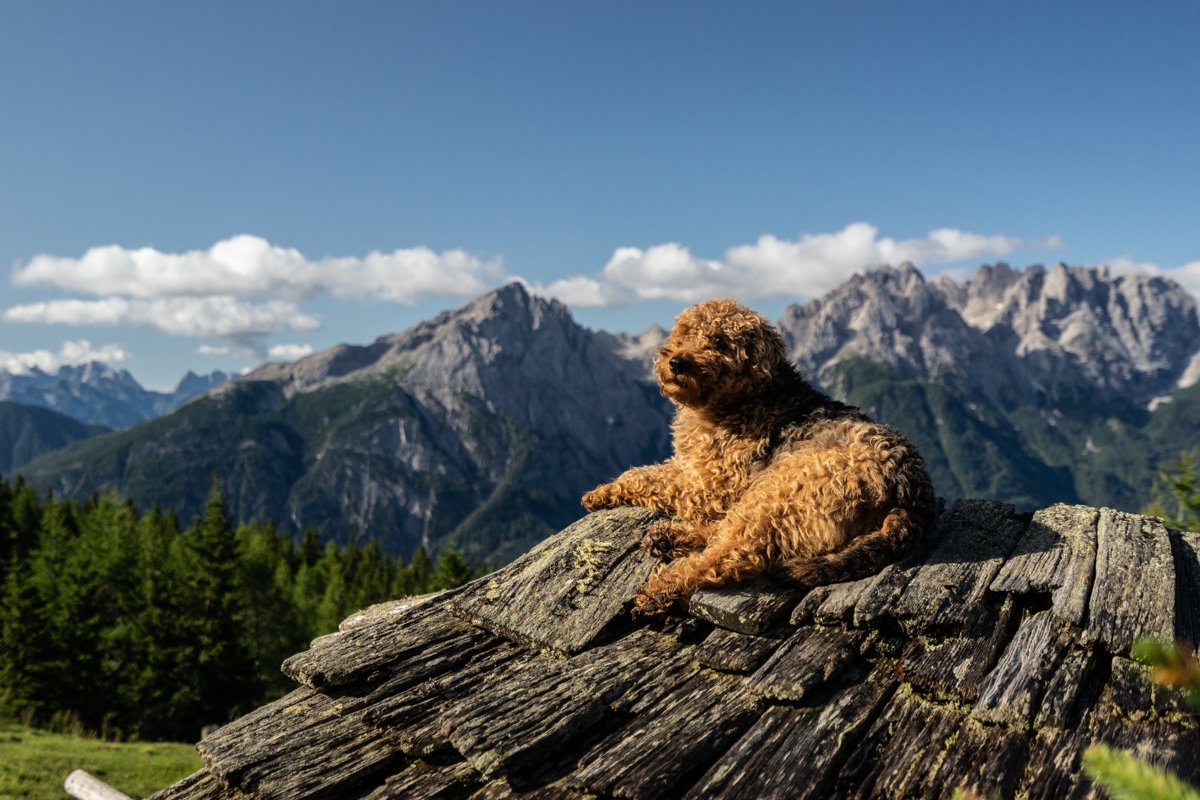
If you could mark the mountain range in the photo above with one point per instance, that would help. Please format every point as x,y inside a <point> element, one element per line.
<point>99,394</point>
<point>482,426</point>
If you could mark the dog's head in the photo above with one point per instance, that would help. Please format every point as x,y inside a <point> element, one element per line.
<point>718,351</point>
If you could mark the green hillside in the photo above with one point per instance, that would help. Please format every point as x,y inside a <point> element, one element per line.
<point>27,432</point>
<point>1027,456</point>
<point>328,459</point>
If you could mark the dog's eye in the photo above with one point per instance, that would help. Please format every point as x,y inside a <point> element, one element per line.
<point>722,345</point>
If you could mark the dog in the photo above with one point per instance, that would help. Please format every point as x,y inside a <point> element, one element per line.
<point>768,476</point>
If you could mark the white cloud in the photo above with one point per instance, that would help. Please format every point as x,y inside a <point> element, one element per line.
<point>1187,275</point>
<point>290,352</point>
<point>214,351</point>
<point>77,351</point>
<point>241,323</point>
<point>245,266</point>
<point>582,292</point>
<point>773,267</point>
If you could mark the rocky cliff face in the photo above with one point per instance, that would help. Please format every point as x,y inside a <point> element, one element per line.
<point>1062,335</point>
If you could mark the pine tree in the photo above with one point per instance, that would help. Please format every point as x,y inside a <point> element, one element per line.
<point>1176,494</point>
<point>226,668</point>
<point>451,570</point>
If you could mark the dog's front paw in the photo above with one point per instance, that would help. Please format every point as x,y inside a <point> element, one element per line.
<point>604,496</point>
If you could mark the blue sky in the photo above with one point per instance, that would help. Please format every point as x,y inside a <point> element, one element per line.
<point>197,185</point>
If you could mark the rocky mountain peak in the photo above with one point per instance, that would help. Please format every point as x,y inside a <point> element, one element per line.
<point>1063,332</point>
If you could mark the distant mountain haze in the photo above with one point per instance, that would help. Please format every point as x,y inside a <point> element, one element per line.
<point>99,394</point>
<point>482,426</point>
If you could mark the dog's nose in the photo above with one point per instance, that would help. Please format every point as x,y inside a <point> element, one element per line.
<point>678,365</point>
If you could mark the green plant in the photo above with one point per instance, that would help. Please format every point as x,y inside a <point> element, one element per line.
<point>1176,494</point>
<point>1124,777</point>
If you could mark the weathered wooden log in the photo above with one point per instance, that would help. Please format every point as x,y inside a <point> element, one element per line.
<point>1133,594</point>
<point>1057,553</point>
<point>796,752</point>
<point>954,668</point>
<point>562,594</point>
<point>806,661</point>
<point>947,592</point>
<point>747,608</point>
<point>426,781</point>
<point>691,725</point>
<point>528,712</point>
<point>427,641</point>
<point>727,651</point>
<point>1012,691</point>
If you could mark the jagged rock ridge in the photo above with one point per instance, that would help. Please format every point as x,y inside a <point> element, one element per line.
<point>1048,336</point>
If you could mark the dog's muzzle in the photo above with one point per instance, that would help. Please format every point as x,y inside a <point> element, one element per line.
<point>678,365</point>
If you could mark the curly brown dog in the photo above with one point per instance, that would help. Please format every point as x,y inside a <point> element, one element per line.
<point>769,476</point>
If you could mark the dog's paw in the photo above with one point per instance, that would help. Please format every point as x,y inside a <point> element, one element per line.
<point>658,541</point>
<point>656,604</point>
<point>605,496</point>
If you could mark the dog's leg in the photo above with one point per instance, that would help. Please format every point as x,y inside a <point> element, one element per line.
<point>655,487</point>
<point>735,553</point>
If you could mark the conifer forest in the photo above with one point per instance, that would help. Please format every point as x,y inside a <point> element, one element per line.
<point>139,625</point>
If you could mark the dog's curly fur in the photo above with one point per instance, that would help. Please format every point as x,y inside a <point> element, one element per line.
<point>769,476</point>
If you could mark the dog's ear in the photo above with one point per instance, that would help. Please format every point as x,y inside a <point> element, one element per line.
<point>768,352</point>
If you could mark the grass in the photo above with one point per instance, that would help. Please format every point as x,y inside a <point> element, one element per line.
<point>34,763</point>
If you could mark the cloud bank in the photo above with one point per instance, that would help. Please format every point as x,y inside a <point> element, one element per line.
<point>243,289</point>
<point>222,292</point>
<point>72,352</point>
<point>772,267</point>
<point>227,318</point>
<point>249,266</point>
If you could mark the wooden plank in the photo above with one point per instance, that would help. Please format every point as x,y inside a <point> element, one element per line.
<point>1134,591</point>
<point>954,668</point>
<point>562,594</point>
<point>528,713</point>
<point>746,608</point>
<point>1185,550</point>
<point>806,609</point>
<point>424,642</point>
<point>501,790</point>
<point>1053,769</point>
<point>840,601</point>
<point>427,782</point>
<point>883,590</point>
<point>735,652</point>
<point>806,661</point>
<point>984,759</point>
<point>411,715</point>
<point>902,748</point>
<point>796,752</point>
<point>235,744</point>
<point>1067,685</point>
<point>948,590</point>
<point>1138,697</point>
<point>200,785</point>
<point>1012,691</point>
<point>312,745</point>
<point>1057,553</point>
<point>689,727</point>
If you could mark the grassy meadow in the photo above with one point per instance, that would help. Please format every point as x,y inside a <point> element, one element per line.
<point>34,763</point>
